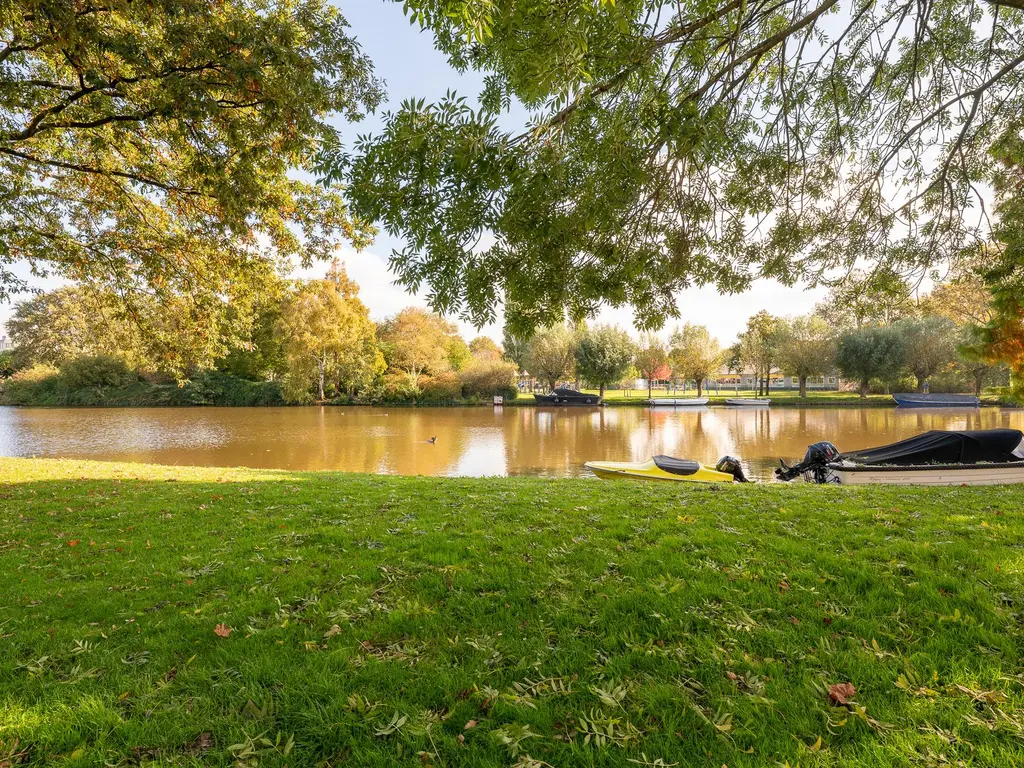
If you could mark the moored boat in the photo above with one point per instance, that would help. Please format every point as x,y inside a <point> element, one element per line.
<point>748,401</point>
<point>979,457</point>
<point>566,396</point>
<point>727,470</point>
<point>927,400</point>
<point>678,402</point>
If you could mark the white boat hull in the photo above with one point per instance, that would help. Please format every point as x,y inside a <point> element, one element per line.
<point>748,401</point>
<point>968,474</point>
<point>677,402</point>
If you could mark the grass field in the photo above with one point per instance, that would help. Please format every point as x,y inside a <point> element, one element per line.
<point>174,616</point>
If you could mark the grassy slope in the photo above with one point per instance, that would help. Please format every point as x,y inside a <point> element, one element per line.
<point>374,618</point>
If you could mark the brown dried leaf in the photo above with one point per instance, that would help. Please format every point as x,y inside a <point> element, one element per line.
<point>222,630</point>
<point>839,694</point>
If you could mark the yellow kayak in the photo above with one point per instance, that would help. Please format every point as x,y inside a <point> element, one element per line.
<point>664,468</point>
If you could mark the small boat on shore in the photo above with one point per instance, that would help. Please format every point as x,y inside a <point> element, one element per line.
<point>938,457</point>
<point>748,401</point>
<point>678,402</point>
<point>922,400</point>
<point>566,396</point>
<point>728,470</point>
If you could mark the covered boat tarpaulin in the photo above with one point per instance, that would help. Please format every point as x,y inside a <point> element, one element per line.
<point>941,447</point>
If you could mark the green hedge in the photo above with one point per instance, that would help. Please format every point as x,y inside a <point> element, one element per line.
<point>209,388</point>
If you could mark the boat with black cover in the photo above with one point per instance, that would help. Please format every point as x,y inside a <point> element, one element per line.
<point>938,457</point>
<point>566,396</point>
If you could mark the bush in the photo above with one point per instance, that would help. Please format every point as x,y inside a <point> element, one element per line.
<point>443,388</point>
<point>394,388</point>
<point>223,389</point>
<point>97,372</point>
<point>32,385</point>
<point>486,379</point>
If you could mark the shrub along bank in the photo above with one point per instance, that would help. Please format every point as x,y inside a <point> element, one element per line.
<point>106,381</point>
<point>237,617</point>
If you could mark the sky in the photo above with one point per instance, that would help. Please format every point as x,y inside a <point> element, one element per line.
<point>404,57</point>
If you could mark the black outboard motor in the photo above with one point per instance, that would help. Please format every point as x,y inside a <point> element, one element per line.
<point>731,466</point>
<point>816,462</point>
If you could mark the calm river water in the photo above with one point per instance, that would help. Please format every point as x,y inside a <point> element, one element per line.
<point>470,441</point>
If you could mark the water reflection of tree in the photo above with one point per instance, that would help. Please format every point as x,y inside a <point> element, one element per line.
<point>559,440</point>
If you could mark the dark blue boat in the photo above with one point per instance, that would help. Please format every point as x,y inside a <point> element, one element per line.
<point>937,400</point>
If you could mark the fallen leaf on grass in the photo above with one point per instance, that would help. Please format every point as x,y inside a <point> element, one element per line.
<point>839,694</point>
<point>73,543</point>
<point>202,743</point>
<point>222,630</point>
<point>334,630</point>
<point>470,724</point>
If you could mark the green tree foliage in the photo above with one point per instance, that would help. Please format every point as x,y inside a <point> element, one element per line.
<point>930,345</point>
<point>150,148</point>
<point>485,349</point>
<point>515,349</point>
<point>418,342</point>
<point>551,356</point>
<point>880,297</point>
<point>871,352</point>
<point>651,356</point>
<point>74,321</point>
<point>604,355</point>
<point>327,336</point>
<point>760,346</point>
<point>695,354</point>
<point>7,366</point>
<point>807,348</point>
<point>690,141</point>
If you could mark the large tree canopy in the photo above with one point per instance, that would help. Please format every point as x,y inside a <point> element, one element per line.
<point>674,142</point>
<point>150,147</point>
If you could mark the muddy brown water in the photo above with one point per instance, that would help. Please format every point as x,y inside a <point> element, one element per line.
<point>551,442</point>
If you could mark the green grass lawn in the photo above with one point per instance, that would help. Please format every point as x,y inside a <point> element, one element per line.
<point>176,616</point>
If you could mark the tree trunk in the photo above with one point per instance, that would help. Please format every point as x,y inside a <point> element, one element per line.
<point>864,389</point>
<point>700,387</point>
<point>803,386</point>
<point>650,383</point>
<point>920,382</point>
<point>321,365</point>
<point>602,389</point>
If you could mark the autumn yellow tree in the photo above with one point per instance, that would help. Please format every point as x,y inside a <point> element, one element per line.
<point>328,336</point>
<point>418,342</point>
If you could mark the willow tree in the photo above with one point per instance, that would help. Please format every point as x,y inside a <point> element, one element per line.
<point>695,354</point>
<point>681,142</point>
<point>152,149</point>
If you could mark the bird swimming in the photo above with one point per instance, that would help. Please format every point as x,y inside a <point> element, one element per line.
<point>432,440</point>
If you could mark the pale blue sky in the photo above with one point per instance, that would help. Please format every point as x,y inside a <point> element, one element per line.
<point>404,57</point>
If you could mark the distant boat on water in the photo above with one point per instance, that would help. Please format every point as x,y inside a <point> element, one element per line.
<point>937,400</point>
<point>677,402</point>
<point>748,401</point>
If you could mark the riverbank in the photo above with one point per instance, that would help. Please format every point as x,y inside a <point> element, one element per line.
<point>223,390</point>
<point>190,616</point>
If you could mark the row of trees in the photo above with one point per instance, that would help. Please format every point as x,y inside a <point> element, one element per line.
<point>872,329</point>
<point>314,337</point>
